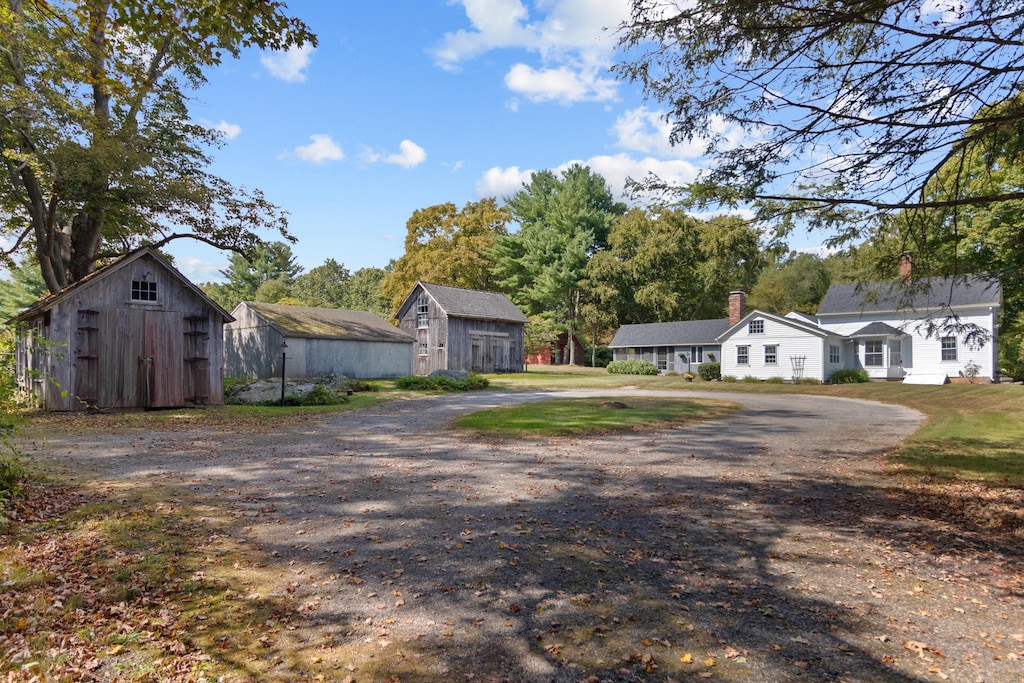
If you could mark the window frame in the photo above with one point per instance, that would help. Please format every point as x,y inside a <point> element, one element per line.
<point>771,357</point>
<point>835,354</point>
<point>755,326</point>
<point>424,348</point>
<point>948,349</point>
<point>743,354</point>
<point>422,313</point>
<point>880,353</point>
<point>696,355</point>
<point>144,291</point>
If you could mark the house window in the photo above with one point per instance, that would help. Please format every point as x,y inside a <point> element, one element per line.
<point>771,354</point>
<point>742,355</point>
<point>949,348</point>
<point>755,327</point>
<point>833,354</point>
<point>422,312</point>
<point>143,290</point>
<point>874,353</point>
<point>696,354</point>
<point>423,348</point>
<point>663,358</point>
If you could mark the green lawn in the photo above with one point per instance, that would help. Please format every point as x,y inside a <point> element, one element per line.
<point>973,433</point>
<point>587,416</point>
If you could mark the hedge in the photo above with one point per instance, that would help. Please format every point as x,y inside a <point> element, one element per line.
<point>632,367</point>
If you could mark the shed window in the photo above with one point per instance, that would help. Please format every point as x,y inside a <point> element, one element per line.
<point>423,348</point>
<point>143,290</point>
<point>756,327</point>
<point>742,355</point>
<point>949,348</point>
<point>422,312</point>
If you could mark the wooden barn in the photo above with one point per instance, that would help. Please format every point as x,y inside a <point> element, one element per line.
<point>315,342</point>
<point>463,330</point>
<point>134,334</point>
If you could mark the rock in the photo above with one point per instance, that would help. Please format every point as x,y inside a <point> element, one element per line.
<point>266,390</point>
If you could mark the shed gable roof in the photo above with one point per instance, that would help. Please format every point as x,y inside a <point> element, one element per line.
<point>327,323</point>
<point>48,302</point>
<point>470,303</point>
<point>679,333</point>
<point>923,295</point>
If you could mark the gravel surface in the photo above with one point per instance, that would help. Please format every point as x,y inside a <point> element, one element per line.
<point>765,547</point>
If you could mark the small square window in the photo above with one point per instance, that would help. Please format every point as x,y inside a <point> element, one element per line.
<point>143,290</point>
<point>949,348</point>
<point>755,327</point>
<point>742,355</point>
<point>771,354</point>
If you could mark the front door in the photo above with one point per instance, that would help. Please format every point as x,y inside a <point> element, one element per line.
<point>164,360</point>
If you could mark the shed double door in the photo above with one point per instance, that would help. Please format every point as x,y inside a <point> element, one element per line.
<point>146,368</point>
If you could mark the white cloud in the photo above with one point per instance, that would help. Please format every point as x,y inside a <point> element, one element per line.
<point>615,169</point>
<point>500,182</point>
<point>229,130</point>
<point>564,85</point>
<point>321,149</point>
<point>410,154</point>
<point>574,40</point>
<point>199,270</point>
<point>643,130</point>
<point>289,65</point>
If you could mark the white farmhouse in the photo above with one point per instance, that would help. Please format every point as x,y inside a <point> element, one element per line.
<point>924,331</point>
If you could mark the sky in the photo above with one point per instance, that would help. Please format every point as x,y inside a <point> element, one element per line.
<point>405,104</point>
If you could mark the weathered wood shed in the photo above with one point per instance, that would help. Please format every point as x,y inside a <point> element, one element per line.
<point>320,341</point>
<point>134,334</point>
<point>463,329</point>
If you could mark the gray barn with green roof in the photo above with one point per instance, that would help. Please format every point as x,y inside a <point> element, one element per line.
<point>315,342</point>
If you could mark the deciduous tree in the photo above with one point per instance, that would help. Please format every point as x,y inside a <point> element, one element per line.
<point>98,150</point>
<point>829,112</point>
<point>447,246</point>
<point>324,286</point>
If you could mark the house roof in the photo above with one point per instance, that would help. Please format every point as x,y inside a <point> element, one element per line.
<point>327,323</point>
<point>921,295</point>
<point>48,302</point>
<point>791,322</point>
<point>877,329</point>
<point>679,333</point>
<point>471,303</point>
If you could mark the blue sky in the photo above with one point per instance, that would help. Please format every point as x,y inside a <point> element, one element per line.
<point>410,103</point>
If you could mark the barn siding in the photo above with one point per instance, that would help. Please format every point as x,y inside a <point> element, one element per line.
<point>359,359</point>
<point>252,347</point>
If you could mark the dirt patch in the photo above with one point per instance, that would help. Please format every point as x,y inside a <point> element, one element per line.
<point>769,547</point>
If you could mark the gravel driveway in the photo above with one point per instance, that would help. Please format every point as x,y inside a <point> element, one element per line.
<point>764,547</point>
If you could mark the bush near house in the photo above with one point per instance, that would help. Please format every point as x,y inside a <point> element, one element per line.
<point>632,367</point>
<point>849,376</point>
<point>709,372</point>
<point>441,382</point>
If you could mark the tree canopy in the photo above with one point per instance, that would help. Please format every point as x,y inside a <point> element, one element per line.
<point>447,246</point>
<point>829,112</point>
<point>563,221</point>
<point>267,277</point>
<point>98,150</point>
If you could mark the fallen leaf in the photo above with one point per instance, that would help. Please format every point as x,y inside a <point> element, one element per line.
<point>686,659</point>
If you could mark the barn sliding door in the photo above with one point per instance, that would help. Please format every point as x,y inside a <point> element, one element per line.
<point>164,361</point>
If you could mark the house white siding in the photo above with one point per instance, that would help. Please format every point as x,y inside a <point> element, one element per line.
<point>919,352</point>
<point>794,347</point>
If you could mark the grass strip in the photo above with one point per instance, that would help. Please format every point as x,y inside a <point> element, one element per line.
<point>576,417</point>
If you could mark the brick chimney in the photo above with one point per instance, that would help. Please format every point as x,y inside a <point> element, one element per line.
<point>906,267</point>
<point>737,307</point>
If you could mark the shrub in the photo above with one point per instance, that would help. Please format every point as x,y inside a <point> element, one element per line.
<point>807,380</point>
<point>750,379</point>
<point>632,367</point>
<point>849,376</point>
<point>709,372</point>
<point>441,382</point>
<point>729,378</point>
<point>359,385</point>
<point>775,380</point>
